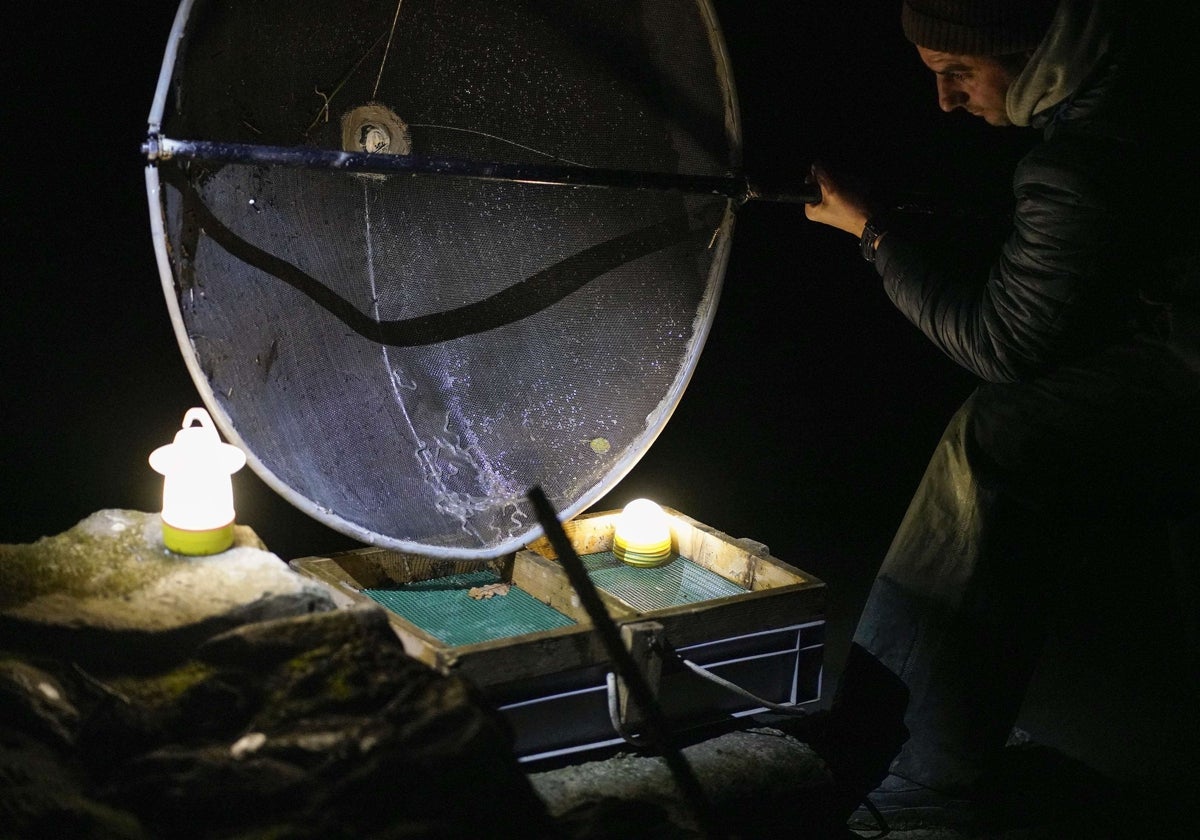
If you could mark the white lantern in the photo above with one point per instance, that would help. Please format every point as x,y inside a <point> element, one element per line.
<point>643,534</point>
<point>197,514</point>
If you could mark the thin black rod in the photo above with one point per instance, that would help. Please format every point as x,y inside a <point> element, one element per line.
<point>734,187</point>
<point>655,721</point>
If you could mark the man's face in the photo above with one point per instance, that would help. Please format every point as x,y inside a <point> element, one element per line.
<point>977,84</point>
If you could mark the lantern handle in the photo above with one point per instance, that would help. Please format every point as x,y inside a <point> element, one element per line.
<point>199,415</point>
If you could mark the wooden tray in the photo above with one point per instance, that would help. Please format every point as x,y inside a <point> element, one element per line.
<point>552,684</point>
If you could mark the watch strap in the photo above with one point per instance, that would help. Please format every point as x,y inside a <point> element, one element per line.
<point>871,233</point>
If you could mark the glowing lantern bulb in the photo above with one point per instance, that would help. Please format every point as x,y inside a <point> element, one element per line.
<point>643,534</point>
<point>197,514</point>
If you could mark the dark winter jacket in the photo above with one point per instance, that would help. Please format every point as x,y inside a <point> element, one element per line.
<point>1088,254</point>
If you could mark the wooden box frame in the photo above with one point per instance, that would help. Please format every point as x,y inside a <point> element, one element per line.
<point>551,684</point>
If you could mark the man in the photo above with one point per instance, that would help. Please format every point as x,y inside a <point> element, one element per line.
<point>1086,330</point>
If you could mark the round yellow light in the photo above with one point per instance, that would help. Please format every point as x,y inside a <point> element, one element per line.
<point>642,536</point>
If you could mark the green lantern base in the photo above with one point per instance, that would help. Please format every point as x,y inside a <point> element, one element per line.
<point>197,543</point>
<point>645,556</point>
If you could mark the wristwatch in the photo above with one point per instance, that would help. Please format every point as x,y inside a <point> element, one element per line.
<point>871,233</point>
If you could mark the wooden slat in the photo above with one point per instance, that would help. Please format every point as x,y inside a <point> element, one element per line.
<point>645,641</point>
<point>525,657</point>
<point>379,568</point>
<point>545,580</point>
<point>745,563</point>
<point>753,612</point>
<point>590,533</point>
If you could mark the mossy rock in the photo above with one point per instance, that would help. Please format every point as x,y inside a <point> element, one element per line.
<point>107,592</point>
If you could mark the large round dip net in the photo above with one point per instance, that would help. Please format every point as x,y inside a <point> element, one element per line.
<point>422,256</point>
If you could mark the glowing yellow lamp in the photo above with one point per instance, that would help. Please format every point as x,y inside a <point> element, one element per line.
<point>643,534</point>
<point>197,514</point>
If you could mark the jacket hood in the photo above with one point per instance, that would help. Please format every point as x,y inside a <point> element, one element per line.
<point>1078,38</point>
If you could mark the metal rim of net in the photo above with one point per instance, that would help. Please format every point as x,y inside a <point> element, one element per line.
<point>728,191</point>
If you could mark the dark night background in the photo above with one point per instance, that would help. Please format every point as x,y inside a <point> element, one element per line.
<point>807,424</point>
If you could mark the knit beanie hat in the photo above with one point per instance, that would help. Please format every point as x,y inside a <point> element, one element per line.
<point>977,27</point>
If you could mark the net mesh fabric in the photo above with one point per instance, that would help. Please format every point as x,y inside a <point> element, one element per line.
<point>404,357</point>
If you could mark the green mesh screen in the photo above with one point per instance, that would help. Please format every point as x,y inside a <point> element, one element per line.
<point>675,583</point>
<point>442,608</point>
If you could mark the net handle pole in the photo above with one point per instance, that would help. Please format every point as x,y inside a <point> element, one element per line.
<point>653,718</point>
<point>734,187</point>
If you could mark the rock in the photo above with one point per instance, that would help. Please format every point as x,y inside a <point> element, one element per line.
<point>345,735</point>
<point>33,699</point>
<point>768,783</point>
<point>42,795</point>
<point>622,819</point>
<point>107,589</point>
<point>150,695</point>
